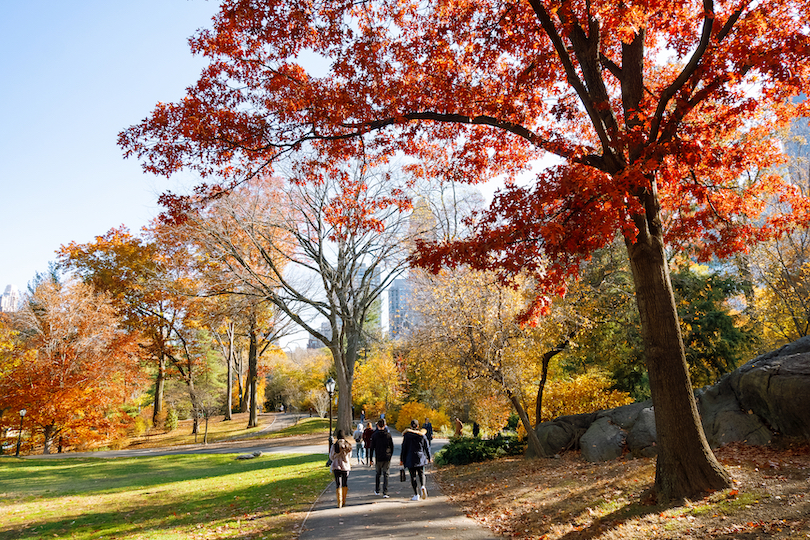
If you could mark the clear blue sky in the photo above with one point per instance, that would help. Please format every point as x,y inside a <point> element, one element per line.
<point>74,74</point>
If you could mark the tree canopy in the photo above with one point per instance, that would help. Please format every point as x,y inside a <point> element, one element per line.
<point>656,111</point>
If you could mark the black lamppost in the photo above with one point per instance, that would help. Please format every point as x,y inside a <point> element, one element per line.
<point>330,389</point>
<point>19,435</point>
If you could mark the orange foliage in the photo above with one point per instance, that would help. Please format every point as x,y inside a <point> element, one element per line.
<point>72,367</point>
<point>414,410</point>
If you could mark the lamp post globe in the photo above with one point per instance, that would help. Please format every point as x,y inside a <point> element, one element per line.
<point>19,434</point>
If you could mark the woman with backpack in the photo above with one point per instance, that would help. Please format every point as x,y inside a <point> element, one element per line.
<point>341,456</point>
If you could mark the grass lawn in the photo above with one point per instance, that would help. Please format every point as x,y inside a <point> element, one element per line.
<point>170,497</point>
<point>221,430</point>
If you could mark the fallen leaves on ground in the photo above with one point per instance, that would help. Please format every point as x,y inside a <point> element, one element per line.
<point>569,498</point>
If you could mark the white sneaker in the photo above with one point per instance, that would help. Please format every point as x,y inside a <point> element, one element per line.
<point>424,492</point>
<point>415,498</point>
<point>385,496</point>
<point>376,493</point>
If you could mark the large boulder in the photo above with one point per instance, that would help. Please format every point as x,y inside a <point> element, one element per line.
<point>642,437</point>
<point>562,433</point>
<point>768,395</point>
<point>724,419</point>
<point>603,441</point>
<point>776,388</point>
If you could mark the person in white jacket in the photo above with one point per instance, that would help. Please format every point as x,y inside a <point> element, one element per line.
<point>358,440</point>
<point>341,456</point>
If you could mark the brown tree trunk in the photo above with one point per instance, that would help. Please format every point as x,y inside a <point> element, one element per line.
<point>345,378</point>
<point>160,383</point>
<point>686,466</point>
<point>229,378</point>
<point>538,408</point>
<point>534,442</point>
<point>253,375</point>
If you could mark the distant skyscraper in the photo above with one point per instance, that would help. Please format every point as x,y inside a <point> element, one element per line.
<point>315,343</point>
<point>400,313</point>
<point>10,301</point>
<point>375,310</point>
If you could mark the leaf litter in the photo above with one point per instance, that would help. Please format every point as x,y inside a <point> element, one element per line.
<point>569,498</point>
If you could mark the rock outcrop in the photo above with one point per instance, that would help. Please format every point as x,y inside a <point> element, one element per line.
<point>769,395</point>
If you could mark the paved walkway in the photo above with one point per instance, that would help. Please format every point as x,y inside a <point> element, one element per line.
<point>368,517</point>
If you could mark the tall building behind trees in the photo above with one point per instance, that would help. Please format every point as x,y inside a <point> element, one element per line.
<point>400,312</point>
<point>10,301</point>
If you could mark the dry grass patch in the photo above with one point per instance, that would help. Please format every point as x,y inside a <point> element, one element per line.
<point>568,498</point>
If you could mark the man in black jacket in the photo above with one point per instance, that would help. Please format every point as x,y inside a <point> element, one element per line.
<point>382,448</point>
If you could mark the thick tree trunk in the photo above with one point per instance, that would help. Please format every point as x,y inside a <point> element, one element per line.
<point>160,383</point>
<point>253,376</point>
<point>345,379</point>
<point>48,433</point>
<point>686,466</point>
<point>229,378</point>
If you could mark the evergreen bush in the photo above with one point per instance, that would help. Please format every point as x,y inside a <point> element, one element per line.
<point>465,450</point>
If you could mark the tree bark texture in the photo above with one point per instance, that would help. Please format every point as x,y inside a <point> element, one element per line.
<point>344,369</point>
<point>160,383</point>
<point>253,376</point>
<point>229,379</point>
<point>686,466</point>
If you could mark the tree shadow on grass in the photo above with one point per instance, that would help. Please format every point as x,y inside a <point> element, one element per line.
<point>160,504</point>
<point>95,476</point>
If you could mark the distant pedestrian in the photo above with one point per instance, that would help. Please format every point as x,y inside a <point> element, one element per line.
<point>382,448</point>
<point>358,442</point>
<point>428,429</point>
<point>340,454</point>
<point>459,427</point>
<point>367,433</point>
<point>363,416</point>
<point>476,429</point>
<point>415,455</point>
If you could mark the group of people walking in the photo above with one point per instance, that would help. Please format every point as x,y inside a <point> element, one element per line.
<point>376,446</point>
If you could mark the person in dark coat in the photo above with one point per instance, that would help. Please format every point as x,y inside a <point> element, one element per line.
<point>415,455</point>
<point>367,433</point>
<point>428,430</point>
<point>382,449</point>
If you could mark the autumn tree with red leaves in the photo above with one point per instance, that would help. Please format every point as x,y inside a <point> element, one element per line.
<point>655,110</point>
<point>72,365</point>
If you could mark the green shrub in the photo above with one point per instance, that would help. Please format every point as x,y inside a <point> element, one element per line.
<point>171,420</point>
<point>465,450</point>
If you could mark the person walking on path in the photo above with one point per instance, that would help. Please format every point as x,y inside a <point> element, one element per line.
<point>459,427</point>
<point>369,431</point>
<point>428,430</point>
<point>382,449</point>
<point>341,456</point>
<point>415,455</point>
<point>358,441</point>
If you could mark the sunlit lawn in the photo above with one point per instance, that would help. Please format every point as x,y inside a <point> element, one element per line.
<point>220,430</point>
<point>181,496</point>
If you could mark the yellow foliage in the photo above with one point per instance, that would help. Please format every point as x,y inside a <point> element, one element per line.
<point>414,410</point>
<point>582,394</point>
<point>491,412</point>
